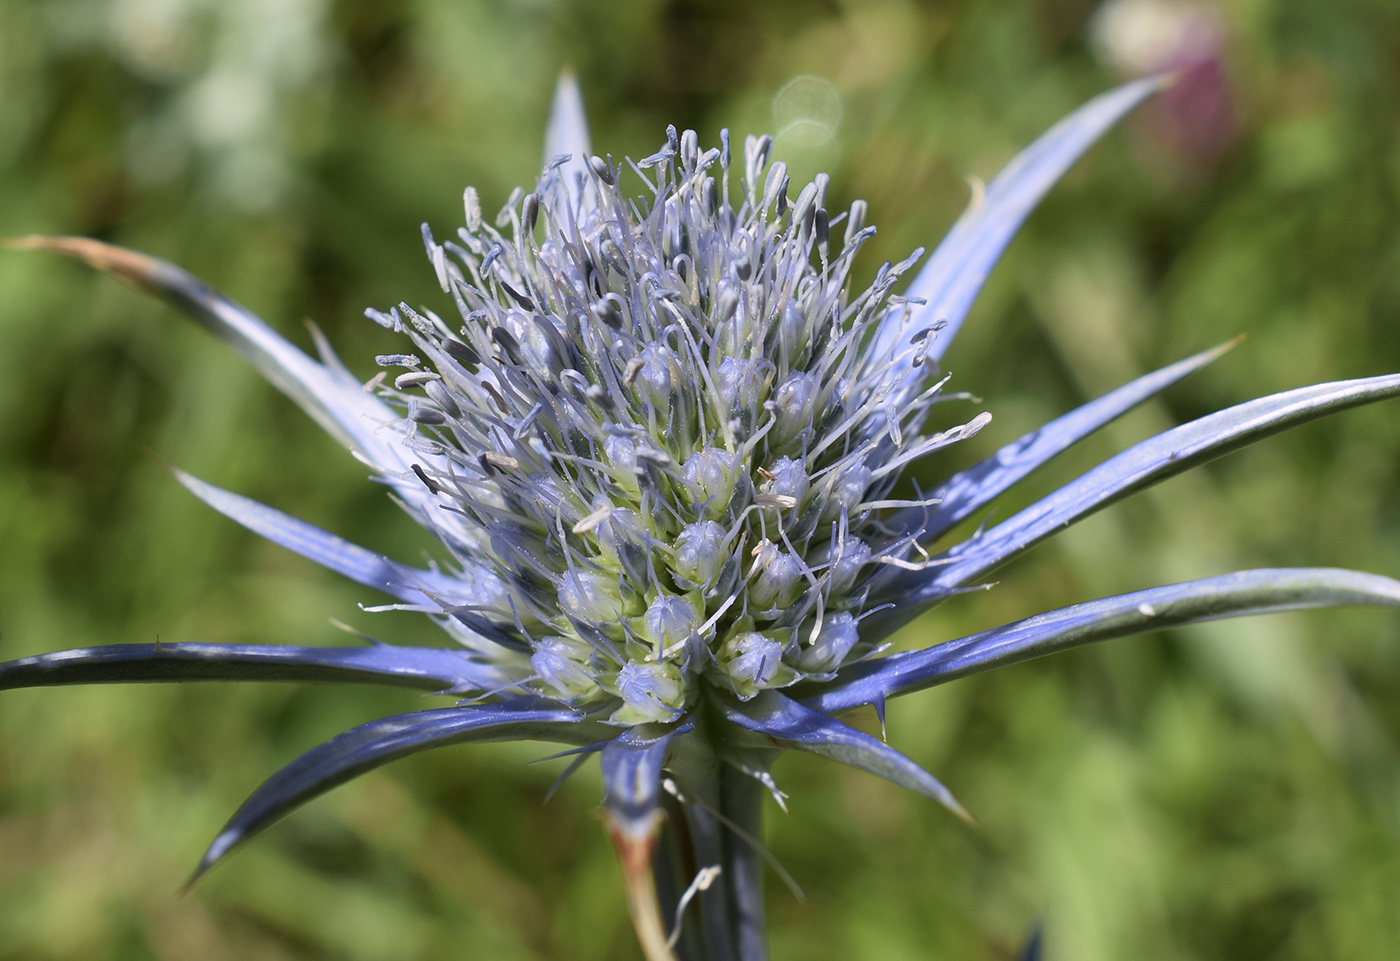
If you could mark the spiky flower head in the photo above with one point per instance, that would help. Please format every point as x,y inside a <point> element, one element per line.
<point>667,425</point>
<point>660,438</point>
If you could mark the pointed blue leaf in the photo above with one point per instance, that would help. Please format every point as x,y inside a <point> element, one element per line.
<point>632,764</point>
<point>954,275</point>
<point>428,668</point>
<point>1230,595</point>
<point>971,489</point>
<point>1140,466</point>
<point>333,398</point>
<point>567,133</point>
<point>781,720</point>
<point>410,584</point>
<point>375,744</point>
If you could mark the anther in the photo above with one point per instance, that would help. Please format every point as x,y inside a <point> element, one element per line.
<point>509,345</point>
<point>727,303</point>
<point>414,379</point>
<point>776,182</point>
<point>602,170</point>
<point>501,404</point>
<point>974,425</point>
<point>518,297</point>
<point>608,311</point>
<point>423,325</point>
<point>756,150</point>
<point>781,502</point>
<point>593,520</point>
<point>428,482</point>
<point>690,149</point>
<point>461,352</point>
<point>530,212</point>
<point>427,416</point>
<point>711,193</point>
<point>471,208</point>
<point>397,360</point>
<point>502,461</point>
<point>441,396</point>
<point>805,205</point>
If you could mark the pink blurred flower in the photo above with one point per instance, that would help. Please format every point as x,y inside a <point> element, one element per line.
<point>1195,118</point>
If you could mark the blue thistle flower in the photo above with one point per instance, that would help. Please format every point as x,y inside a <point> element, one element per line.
<point>660,441</point>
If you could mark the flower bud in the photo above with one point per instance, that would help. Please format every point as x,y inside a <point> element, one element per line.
<point>622,540</point>
<point>752,661</point>
<point>846,566</point>
<point>848,490</point>
<point>561,663</point>
<point>739,382</point>
<point>835,640</point>
<point>621,455</point>
<point>751,658</point>
<point>669,621</point>
<point>790,480</point>
<point>658,374</point>
<point>790,331</point>
<point>588,597</point>
<point>650,692</point>
<point>779,579</point>
<point>794,402</point>
<point>710,475</point>
<point>700,553</point>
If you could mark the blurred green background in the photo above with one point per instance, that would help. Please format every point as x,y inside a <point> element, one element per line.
<point>1231,792</point>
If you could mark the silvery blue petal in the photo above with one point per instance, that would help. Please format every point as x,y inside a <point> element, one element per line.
<point>567,133</point>
<point>1230,595</point>
<point>954,275</point>
<point>968,490</point>
<point>375,744</point>
<point>792,725</point>
<point>1140,466</point>
<point>411,584</point>
<point>428,668</point>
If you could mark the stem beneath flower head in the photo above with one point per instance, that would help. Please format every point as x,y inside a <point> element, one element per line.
<point>634,849</point>
<point>741,802</point>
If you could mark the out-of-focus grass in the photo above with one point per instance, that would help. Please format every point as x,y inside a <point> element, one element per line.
<point>1229,792</point>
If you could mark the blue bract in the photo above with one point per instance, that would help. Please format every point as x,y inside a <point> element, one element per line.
<point>660,439</point>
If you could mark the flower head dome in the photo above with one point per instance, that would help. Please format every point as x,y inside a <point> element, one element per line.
<point>669,426</point>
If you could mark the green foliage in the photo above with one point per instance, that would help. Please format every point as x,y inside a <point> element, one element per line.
<point>1224,792</point>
